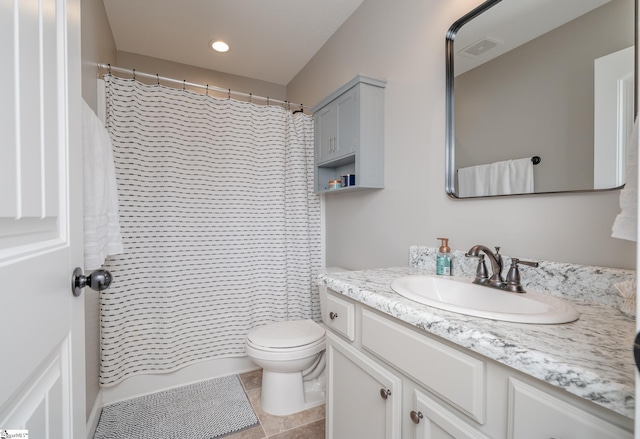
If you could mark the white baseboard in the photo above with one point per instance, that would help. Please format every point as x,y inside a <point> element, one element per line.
<point>94,417</point>
<point>145,384</point>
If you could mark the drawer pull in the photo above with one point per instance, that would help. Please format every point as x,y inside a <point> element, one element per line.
<point>416,416</point>
<point>333,315</point>
<point>385,393</point>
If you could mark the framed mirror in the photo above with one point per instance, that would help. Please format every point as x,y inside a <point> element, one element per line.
<point>540,97</point>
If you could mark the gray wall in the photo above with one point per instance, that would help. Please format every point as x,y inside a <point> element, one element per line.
<point>404,44</point>
<point>547,103</point>
<point>97,46</point>
<point>197,75</point>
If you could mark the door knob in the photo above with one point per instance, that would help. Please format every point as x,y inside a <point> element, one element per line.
<point>98,280</point>
<point>636,351</point>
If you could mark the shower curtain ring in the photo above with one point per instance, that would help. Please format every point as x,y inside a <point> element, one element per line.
<point>250,95</point>
<point>183,83</point>
<point>207,89</point>
<point>109,69</point>
<point>158,78</point>
<point>229,95</point>
<point>134,74</point>
<point>267,101</point>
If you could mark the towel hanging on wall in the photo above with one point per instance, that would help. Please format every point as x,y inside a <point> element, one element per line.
<point>101,219</point>
<point>511,177</point>
<point>498,178</point>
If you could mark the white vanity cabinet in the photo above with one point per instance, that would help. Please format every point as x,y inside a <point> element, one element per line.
<point>438,390</point>
<point>534,413</point>
<point>349,135</point>
<point>364,399</point>
<point>434,421</point>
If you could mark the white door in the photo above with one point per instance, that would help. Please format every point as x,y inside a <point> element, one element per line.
<point>41,323</point>
<point>613,117</point>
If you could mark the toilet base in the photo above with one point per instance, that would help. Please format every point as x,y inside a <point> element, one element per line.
<point>286,393</point>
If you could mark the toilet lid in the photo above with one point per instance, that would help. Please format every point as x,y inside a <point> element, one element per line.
<point>286,334</point>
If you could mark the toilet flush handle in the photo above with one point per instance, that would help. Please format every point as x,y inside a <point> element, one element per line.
<point>333,315</point>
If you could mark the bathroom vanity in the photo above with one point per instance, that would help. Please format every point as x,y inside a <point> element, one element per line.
<point>400,369</point>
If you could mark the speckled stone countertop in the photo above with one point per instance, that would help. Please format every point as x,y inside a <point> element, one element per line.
<point>591,358</point>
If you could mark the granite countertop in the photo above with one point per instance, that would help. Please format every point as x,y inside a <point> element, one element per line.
<point>591,357</point>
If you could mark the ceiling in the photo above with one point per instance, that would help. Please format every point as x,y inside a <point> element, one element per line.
<point>511,24</point>
<point>271,40</point>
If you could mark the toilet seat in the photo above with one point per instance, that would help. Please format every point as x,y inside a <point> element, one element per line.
<point>286,335</point>
<point>316,346</point>
<point>288,352</point>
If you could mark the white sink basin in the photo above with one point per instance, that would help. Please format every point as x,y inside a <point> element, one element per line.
<point>459,295</point>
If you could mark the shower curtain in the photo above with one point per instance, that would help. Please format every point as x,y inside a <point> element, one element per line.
<point>219,221</point>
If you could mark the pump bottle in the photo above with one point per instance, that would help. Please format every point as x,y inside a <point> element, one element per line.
<point>443,258</point>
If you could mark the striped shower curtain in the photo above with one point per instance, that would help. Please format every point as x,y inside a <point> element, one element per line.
<point>220,225</point>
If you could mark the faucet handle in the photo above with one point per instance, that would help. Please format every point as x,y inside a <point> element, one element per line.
<point>500,265</point>
<point>482,274</point>
<point>529,263</point>
<point>513,276</point>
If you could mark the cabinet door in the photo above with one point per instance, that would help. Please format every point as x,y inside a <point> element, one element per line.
<point>348,122</point>
<point>364,399</point>
<point>326,133</point>
<point>433,421</point>
<point>535,414</point>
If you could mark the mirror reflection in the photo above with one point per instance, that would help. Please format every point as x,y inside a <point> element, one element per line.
<point>539,81</point>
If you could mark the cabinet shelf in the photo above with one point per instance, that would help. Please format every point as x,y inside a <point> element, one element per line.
<point>349,136</point>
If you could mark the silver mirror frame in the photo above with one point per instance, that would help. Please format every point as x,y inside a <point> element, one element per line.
<point>450,172</point>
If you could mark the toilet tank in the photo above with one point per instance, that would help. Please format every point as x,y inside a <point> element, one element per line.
<point>323,291</point>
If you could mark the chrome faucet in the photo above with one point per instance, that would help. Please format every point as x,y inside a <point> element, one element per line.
<point>496,280</point>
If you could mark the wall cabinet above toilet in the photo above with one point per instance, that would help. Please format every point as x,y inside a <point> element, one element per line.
<point>349,136</point>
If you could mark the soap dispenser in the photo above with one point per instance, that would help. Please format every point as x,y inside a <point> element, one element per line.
<point>443,258</point>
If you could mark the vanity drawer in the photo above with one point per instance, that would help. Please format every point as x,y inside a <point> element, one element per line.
<point>534,413</point>
<point>454,376</point>
<point>341,316</point>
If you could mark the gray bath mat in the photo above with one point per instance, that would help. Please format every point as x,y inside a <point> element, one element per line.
<point>205,410</point>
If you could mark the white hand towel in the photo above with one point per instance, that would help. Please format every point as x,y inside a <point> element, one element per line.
<point>625,225</point>
<point>101,218</point>
<point>473,181</point>
<point>511,177</point>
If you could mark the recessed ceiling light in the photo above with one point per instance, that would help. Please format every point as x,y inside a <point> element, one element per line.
<point>219,46</point>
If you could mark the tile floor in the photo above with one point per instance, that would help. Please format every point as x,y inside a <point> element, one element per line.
<point>304,425</point>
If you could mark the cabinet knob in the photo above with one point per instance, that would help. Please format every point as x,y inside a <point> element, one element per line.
<point>416,416</point>
<point>333,315</point>
<point>385,393</point>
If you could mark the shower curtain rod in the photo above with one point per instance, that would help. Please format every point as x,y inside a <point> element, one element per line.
<point>228,91</point>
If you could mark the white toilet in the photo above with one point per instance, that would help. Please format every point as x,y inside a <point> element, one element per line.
<point>291,355</point>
